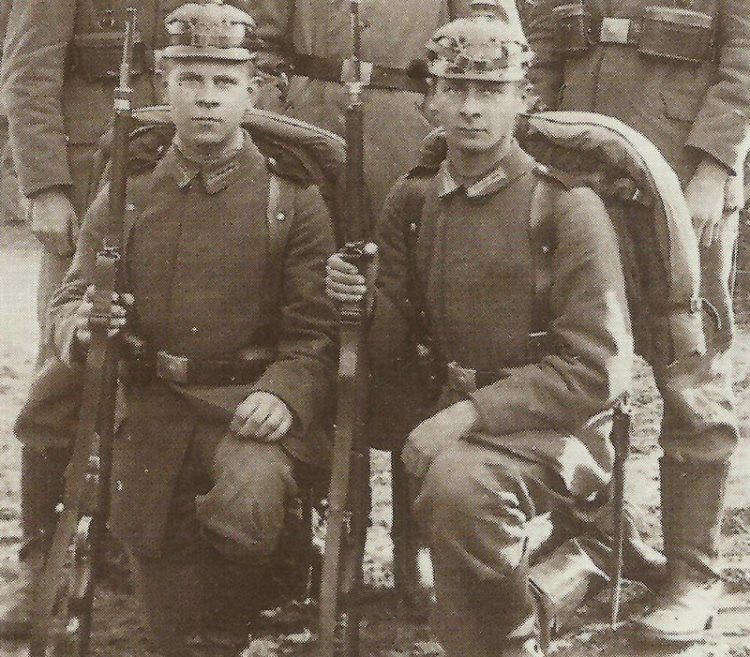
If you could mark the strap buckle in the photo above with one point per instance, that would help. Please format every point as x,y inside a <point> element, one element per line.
<point>614,30</point>
<point>172,368</point>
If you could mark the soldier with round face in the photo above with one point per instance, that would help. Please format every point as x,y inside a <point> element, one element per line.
<point>212,454</point>
<point>59,72</point>
<point>515,432</point>
<point>677,71</point>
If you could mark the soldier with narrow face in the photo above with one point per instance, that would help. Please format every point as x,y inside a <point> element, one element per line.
<point>516,431</point>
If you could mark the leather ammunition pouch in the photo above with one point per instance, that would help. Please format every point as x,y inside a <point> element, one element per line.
<point>667,32</point>
<point>680,34</point>
<point>96,56</point>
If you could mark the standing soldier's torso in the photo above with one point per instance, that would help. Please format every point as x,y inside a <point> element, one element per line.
<point>648,63</point>
<point>93,62</point>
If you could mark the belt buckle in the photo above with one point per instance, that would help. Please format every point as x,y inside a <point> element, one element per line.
<point>172,368</point>
<point>461,379</point>
<point>614,30</point>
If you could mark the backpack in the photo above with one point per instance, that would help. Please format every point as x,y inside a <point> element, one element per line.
<point>658,246</point>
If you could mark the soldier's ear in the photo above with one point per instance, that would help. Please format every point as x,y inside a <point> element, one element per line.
<point>253,89</point>
<point>426,106</point>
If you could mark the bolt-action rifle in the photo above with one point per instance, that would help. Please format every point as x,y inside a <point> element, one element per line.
<point>349,494</point>
<point>63,605</point>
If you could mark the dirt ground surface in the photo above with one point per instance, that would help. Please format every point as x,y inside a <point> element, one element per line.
<point>388,631</point>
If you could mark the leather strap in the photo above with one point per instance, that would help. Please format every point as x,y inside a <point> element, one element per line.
<point>541,241</point>
<point>381,77</point>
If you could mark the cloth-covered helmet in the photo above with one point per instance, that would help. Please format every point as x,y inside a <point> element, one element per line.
<point>210,30</point>
<point>489,45</point>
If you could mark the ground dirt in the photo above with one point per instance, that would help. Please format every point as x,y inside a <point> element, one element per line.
<point>388,630</point>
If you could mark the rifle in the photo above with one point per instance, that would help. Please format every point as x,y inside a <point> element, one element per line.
<point>349,493</point>
<point>63,605</point>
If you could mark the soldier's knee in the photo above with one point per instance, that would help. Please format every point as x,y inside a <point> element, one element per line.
<point>243,514</point>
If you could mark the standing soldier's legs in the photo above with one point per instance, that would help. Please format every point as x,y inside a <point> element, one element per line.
<point>45,426</point>
<point>699,436</point>
<point>475,503</point>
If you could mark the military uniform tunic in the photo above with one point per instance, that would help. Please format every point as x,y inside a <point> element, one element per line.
<point>543,442</point>
<point>198,261</point>
<point>690,111</point>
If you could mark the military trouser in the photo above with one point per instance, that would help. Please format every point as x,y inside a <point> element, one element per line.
<point>225,520</point>
<point>475,503</point>
<point>700,422</point>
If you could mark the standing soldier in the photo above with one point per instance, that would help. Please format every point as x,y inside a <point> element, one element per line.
<point>59,70</point>
<point>518,429</point>
<point>226,292</point>
<point>677,71</point>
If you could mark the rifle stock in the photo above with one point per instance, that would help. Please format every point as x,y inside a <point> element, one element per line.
<point>62,611</point>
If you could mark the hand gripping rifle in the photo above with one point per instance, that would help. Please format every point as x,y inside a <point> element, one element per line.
<point>64,601</point>
<point>349,494</point>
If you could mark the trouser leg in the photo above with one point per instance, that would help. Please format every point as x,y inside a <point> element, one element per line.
<point>475,504</point>
<point>242,518</point>
<point>170,591</point>
<point>699,436</point>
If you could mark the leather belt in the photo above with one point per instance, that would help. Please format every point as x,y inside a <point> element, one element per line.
<point>198,371</point>
<point>375,75</point>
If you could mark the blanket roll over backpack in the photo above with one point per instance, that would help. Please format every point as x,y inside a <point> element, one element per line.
<point>658,246</point>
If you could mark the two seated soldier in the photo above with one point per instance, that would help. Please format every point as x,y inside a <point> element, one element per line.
<point>219,455</point>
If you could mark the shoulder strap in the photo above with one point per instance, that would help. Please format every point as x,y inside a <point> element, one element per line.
<point>542,244</point>
<point>279,217</point>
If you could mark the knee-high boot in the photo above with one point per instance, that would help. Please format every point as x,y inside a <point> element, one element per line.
<point>170,594</point>
<point>693,497</point>
<point>42,482</point>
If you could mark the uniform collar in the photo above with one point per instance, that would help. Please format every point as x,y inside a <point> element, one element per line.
<point>514,165</point>
<point>216,173</point>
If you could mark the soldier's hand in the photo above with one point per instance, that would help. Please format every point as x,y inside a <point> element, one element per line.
<point>705,195</point>
<point>54,221</point>
<point>121,305</point>
<point>344,283</point>
<point>436,434</point>
<point>262,416</point>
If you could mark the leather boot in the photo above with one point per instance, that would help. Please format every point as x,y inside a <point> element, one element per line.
<point>41,490</point>
<point>170,594</point>
<point>693,497</point>
<point>561,583</point>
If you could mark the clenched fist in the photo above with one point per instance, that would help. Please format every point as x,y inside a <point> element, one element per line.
<point>263,417</point>
<point>121,304</point>
<point>54,221</point>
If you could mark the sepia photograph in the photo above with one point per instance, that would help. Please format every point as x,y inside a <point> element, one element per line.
<point>375,328</point>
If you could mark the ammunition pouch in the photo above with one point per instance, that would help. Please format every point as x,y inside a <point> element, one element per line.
<point>574,29</point>
<point>96,56</point>
<point>677,34</point>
